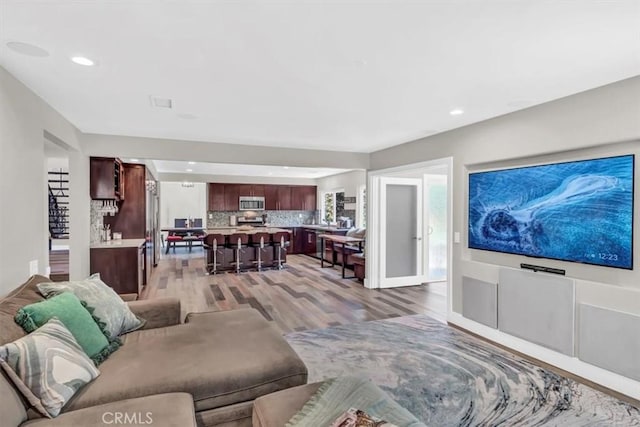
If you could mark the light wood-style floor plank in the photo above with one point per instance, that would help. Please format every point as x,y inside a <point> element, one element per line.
<point>300,297</point>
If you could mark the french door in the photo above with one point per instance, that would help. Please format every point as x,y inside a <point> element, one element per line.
<point>401,232</point>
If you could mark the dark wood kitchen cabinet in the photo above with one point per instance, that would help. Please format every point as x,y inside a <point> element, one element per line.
<point>106,178</point>
<point>232,197</point>
<point>131,219</point>
<point>296,240</point>
<point>303,198</point>
<point>225,197</point>
<point>122,268</point>
<point>216,197</point>
<point>284,198</point>
<point>271,197</point>
<point>251,190</point>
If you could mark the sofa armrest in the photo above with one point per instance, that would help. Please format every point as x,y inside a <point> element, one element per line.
<point>158,312</point>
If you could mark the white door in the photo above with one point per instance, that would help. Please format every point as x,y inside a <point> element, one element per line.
<point>401,232</point>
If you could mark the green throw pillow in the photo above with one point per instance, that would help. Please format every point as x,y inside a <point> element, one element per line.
<point>77,319</point>
<point>48,367</point>
<point>108,306</point>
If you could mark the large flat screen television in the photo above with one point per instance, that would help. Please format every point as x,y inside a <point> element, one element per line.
<point>579,211</point>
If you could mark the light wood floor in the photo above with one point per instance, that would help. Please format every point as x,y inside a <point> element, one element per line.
<point>300,297</point>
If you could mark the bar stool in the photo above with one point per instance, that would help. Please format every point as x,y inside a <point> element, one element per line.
<point>259,241</point>
<point>236,242</point>
<point>212,242</point>
<point>280,244</point>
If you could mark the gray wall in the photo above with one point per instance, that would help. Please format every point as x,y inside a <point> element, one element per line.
<point>602,121</point>
<point>168,149</point>
<point>24,121</point>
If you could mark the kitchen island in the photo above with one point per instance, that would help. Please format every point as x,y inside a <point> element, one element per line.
<point>252,253</point>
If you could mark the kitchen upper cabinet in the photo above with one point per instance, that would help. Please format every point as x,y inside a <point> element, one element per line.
<point>216,197</point>
<point>225,197</point>
<point>271,197</point>
<point>131,219</point>
<point>303,198</point>
<point>106,178</point>
<point>257,190</point>
<point>251,190</point>
<point>284,198</point>
<point>232,196</point>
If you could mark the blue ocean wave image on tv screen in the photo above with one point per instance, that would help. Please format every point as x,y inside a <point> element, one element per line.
<point>577,211</point>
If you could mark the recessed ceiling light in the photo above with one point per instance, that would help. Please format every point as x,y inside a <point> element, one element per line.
<point>456,112</point>
<point>189,170</point>
<point>135,160</point>
<point>82,60</point>
<point>192,163</point>
<point>270,173</point>
<point>285,167</point>
<point>27,49</point>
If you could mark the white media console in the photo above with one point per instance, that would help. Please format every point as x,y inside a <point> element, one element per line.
<point>541,308</point>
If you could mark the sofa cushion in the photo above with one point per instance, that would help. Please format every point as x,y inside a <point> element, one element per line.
<point>160,410</point>
<point>11,406</point>
<point>25,294</point>
<point>68,309</point>
<point>275,409</point>
<point>48,366</point>
<point>108,306</point>
<point>220,358</point>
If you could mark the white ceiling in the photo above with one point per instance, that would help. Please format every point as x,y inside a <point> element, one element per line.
<point>164,166</point>
<point>355,75</point>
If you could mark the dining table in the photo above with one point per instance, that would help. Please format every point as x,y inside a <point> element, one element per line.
<point>341,241</point>
<point>188,234</point>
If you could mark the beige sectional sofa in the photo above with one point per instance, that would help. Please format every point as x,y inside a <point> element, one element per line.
<point>207,370</point>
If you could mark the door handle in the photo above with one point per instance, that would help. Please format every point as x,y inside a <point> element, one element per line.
<point>417,238</point>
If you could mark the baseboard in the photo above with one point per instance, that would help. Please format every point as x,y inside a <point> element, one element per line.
<point>608,382</point>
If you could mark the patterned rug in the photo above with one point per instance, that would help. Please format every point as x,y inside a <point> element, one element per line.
<point>448,378</point>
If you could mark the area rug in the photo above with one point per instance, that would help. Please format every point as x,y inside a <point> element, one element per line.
<point>448,378</point>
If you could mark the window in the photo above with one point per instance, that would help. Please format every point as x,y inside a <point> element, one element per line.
<point>329,207</point>
<point>332,205</point>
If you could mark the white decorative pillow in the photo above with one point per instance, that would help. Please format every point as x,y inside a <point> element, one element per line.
<point>107,304</point>
<point>48,366</point>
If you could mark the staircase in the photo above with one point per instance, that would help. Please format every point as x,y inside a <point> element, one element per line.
<point>59,204</point>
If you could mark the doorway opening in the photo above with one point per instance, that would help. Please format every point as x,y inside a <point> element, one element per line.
<point>410,215</point>
<point>58,201</point>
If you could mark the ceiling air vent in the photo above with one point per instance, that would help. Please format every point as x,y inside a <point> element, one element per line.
<point>160,102</point>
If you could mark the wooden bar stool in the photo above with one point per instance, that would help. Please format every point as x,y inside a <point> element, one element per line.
<point>237,242</point>
<point>280,244</point>
<point>213,243</point>
<point>261,242</point>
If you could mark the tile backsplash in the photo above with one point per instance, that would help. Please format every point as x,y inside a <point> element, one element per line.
<point>275,218</point>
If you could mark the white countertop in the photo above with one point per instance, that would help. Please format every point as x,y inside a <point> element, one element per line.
<point>120,243</point>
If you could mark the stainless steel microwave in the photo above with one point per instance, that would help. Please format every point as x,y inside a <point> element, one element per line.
<point>251,203</point>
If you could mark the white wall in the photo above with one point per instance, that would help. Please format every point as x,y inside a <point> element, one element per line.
<point>350,182</point>
<point>177,201</point>
<point>24,118</point>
